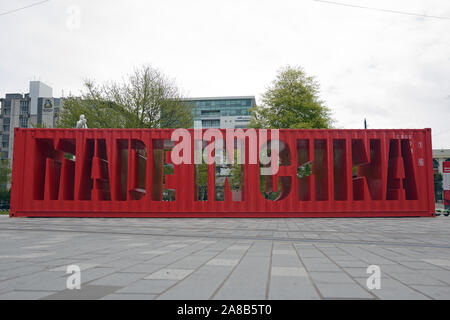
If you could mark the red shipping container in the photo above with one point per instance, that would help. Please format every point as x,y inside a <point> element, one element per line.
<point>132,173</point>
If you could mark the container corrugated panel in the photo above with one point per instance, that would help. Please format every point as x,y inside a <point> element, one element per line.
<point>132,173</point>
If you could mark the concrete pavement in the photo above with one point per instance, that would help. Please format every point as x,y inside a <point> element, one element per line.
<point>225,258</point>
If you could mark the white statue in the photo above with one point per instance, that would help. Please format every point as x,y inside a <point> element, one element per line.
<point>81,124</point>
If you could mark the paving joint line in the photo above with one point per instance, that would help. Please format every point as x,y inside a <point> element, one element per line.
<point>231,272</point>
<point>307,240</point>
<point>190,273</point>
<point>269,273</point>
<point>348,274</point>
<point>307,273</point>
<point>406,285</point>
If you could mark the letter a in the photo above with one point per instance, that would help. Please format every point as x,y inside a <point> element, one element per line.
<point>181,153</point>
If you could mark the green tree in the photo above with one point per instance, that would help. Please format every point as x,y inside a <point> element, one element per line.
<point>145,99</point>
<point>38,125</point>
<point>291,102</point>
<point>5,172</point>
<point>438,186</point>
<point>5,178</point>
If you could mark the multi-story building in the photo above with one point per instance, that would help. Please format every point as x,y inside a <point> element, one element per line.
<point>439,156</point>
<point>14,113</point>
<point>38,90</point>
<point>37,108</point>
<point>222,112</point>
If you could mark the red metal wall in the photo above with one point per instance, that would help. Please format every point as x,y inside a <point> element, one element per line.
<point>119,173</point>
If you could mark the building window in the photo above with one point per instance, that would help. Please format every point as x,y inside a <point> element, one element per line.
<point>23,122</point>
<point>24,107</point>
<point>211,123</point>
<point>6,127</point>
<point>7,110</point>
<point>210,112</point>
<point>5,141</point>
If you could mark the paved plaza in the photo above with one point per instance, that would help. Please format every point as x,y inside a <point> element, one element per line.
<point>225,258</point>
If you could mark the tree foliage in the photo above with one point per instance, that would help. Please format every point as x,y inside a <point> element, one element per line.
<point>5,172</point>
<point>438,186</point>
<point>292,102</point>
<point>145,99</point>
<point>5,178</point>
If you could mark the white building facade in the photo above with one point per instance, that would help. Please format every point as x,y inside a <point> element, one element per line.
<point>439,156</point>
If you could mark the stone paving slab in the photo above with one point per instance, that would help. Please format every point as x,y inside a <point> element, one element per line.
<point>88,292</point>
<point>129,296</point>
<point>225,258</point>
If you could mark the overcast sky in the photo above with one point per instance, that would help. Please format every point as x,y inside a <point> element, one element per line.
<point>392,69</point>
